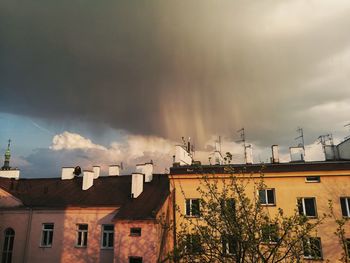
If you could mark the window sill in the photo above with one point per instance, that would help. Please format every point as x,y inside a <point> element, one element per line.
<point>268,204</point>
<point>186,216</point>
<point>43,246</point>
<point>80,246</point>
<point>312,258</point>
<point>134,235</point>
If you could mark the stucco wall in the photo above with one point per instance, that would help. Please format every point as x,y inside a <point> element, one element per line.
<point>64,239</point>
<point>288,187</point>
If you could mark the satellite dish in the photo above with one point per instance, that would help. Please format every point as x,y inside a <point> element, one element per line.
<point>77,171</point>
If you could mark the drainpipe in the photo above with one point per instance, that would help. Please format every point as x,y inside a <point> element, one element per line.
<point>29,228</point>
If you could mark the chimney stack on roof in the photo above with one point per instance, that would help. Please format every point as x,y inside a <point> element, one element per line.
<point>88,180</point>
<point>249,154</point>
<point>114,170</point>
<point>146,169</point>
<point>96,170</point>
<point>297,154</point>
<point>67,173</point>
<point>275,154</point>
<point>136,184</point>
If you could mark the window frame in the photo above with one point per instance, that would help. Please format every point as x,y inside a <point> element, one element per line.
<point>304,212</point>
<point>50,232</point>
<point>347,206</point>
<point>347,246</point>
<point>135,233</point>
<point>7,250</point>
<point>312,179</point>
<point>191,210</point>
<point>229,243</point>
<point>108,234</point>
<point>135,258</point>
<point>312,250</point>
<point>81,234</point>
<point>266,197</point>
<point>193,244</point>
<point>269,234</point>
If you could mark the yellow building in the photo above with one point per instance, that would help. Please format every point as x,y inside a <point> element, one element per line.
<point>312,183</point>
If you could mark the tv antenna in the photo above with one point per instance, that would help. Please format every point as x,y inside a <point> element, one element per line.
<point>301,136</point>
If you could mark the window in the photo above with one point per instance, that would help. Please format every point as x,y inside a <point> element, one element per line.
<point>312,179</point>
<point>47,235</point>
<point>345,206</point>
<point>192,207</point>
<point>135,231</point>
<point>229,244</point>
<point>82,235</point>
<point>267,196</point>
<point>135,259</point>
<point>312,248</point>
<point>307,206</point>
<point>193,244</point>
<point>228,207</point>
<point>270,233</point>
<point>8,245</point>
<point>107,236</point>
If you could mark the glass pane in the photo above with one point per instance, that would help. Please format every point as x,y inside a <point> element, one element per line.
<point>85,238</point>
<point>195,207</point>
<point>108,227</point>
<point>50,234</point>
<point>188,207</point>
<point>270,196</point>
<point>262,197</point>
<point>110,239</point>
<point>300,206</point>
<point>11,238</point>
<point>83,227</point>
<point>48,226</point>
<point>104,240</point>
<point>310,207</point>
<point>343,206</point>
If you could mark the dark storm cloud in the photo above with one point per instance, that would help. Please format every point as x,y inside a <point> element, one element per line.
<point>177,68</point>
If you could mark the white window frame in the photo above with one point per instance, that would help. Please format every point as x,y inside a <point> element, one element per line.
<point>83,234</point>
<point>108,235</point>
<point>49,233</point>
<point>7,251</point>
<point>190,200</point>
<point>347,206</point>
<point>304,207</point>
<point>266,197</point>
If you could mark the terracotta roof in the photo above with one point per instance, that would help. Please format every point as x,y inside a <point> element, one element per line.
<point>264,168</point>
<point>106,191</point>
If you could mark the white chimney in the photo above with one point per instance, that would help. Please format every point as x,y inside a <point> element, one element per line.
<point>147,170</point>
<point>88,179</point>
<point>182,156</point>
<point>96,170</point>
<point>114,170</point>
<point>249,154</point>
<point>136,184</point>
<point>297,154</point>
<point>275,154</point>
<point>67,173</point>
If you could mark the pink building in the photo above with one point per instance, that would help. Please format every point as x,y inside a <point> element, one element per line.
<point>114,219</point>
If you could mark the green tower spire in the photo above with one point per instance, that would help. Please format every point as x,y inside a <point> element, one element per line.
<point>7,157</point>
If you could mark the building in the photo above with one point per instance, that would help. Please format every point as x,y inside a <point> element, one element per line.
<point>89,218</point>
<point>304,185</point>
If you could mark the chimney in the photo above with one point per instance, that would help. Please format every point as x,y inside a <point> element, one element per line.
<point>147,170</point>
<point>249,154</point>
<point>136,184</point>
<point>114,170</point>
<point>96,170</point>
<point>275,156</point>
<point>182,157</point>
<point>88,179</point>
<point>297,154</point>
<point>67,173</point>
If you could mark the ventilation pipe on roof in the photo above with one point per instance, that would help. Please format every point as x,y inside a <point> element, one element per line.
<point>67,173</point>
<point>275,154</point>
<point>147,170</point>
<point>136,184</point>
<point>114,170</point>
<point>88,180</point>
<point>96,170</point>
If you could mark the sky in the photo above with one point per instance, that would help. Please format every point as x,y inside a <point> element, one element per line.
<point>103,82</point>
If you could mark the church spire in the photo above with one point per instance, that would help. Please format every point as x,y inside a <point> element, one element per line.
<point>7,157</point>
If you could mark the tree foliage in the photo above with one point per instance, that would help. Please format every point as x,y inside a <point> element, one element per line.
<point>232,227</point>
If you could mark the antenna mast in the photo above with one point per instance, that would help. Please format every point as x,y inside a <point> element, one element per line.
<point>301,136</point>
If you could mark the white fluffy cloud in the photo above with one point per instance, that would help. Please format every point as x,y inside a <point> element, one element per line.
<point>70,141</point>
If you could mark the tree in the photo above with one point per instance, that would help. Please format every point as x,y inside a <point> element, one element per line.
<point>225,225</point>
